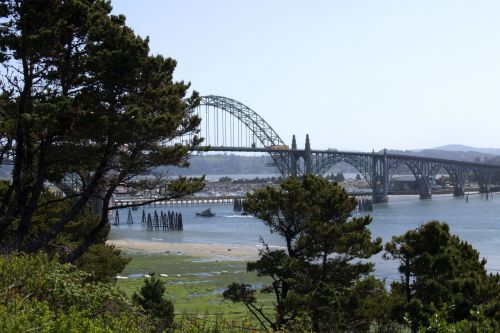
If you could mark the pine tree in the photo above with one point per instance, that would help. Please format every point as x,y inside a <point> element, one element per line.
<point>78,82</point>
<point>439,270</point>
<point>324,245</point>
<point>152,299</point>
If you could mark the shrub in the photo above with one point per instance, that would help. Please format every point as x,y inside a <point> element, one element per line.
<point>42,295</point>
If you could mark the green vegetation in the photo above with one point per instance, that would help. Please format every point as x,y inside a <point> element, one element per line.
<point>194,285</point>
<point>151,299</point>
<point>439,271</point>
<point>76,83</point>
<point>339,177</point>
<point>42,295</point>
<point>321,265</point>
<point>103,261</point>
<point>319,283</point>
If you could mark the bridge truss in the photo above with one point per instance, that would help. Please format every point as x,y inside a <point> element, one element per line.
<point>228,125</point>
<point>376,168</point>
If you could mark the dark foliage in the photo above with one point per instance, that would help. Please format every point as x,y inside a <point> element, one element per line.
<point>152,299</point>
<point>315,275</point>
<point>439,270</point>
<point>77,83</point>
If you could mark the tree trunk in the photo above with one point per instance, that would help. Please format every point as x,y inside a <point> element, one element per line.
<point>43,239</point>
<point>92,237</point>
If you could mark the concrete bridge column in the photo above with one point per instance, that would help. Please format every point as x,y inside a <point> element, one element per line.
<point>385,175</point>
<point>459,183</point>
<point>425,181</point>
<point>425,192</point>
<point>458,191</point>
<point>380,179</point>
<point>484,178</point>
<point>294,158</point>
<point>484,185</point>
<point>308,156</point>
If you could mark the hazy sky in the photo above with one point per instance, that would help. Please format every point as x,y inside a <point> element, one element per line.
<point>355,75</point>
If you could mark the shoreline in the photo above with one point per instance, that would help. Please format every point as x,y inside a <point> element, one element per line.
<point>201,250</point>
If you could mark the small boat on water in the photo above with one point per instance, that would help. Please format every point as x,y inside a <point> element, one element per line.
<point>206,213</point>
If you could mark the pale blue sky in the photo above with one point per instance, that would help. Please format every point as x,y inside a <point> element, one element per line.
<point>355,75</point>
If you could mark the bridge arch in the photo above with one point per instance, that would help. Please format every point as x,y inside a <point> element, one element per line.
<point>456,175</point>
<point>483,176</point>
<point>251,119</point>
<point>359,163</point>
<point>417,170</point>
<point>370,166</point>
<point>229,123</point>
<point>396,164</point>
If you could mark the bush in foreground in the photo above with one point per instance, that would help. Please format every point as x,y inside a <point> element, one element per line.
<point>42,295</point>
<point>440,271</point>
<point>151,299</point>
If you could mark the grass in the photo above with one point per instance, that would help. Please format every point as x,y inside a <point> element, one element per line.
<point>194,285</point>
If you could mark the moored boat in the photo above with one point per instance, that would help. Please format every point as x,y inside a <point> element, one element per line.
<point>206,213</point>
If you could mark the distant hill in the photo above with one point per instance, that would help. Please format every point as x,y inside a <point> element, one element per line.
<point>468,156</point>
<point>462,148</point>
<point>225,164</point>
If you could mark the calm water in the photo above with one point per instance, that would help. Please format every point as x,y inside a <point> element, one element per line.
<point>477,221</point>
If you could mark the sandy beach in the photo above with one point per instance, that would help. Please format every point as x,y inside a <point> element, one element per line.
<point>216,251</point>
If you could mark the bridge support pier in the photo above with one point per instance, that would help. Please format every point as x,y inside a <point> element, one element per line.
<point>484,188</point>
<point>425,196</point>
<point>379,198</point>
<point>484,179</point>
<point>308,156</point>
<point>380,179</point>
<point>294,158</point>
<point>425,179</point>
<point>459,181</point>
<point>458,191</point>
<point>425,189</point>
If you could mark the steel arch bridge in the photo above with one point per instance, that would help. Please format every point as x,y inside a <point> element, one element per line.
<point>377,167</point>
<point>229,125</point>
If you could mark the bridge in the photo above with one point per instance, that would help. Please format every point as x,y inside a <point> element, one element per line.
<point>230,126</point>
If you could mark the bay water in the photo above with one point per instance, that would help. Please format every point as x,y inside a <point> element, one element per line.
<point>476,221</point>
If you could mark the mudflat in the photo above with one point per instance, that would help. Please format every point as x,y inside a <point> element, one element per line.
<point>202,250</point>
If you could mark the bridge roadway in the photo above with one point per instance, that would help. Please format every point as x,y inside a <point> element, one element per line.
<point>224,118</point>
<point>376,168</point>
<point>336,152</point>
<point>234,127</point>
<point>347,153</point>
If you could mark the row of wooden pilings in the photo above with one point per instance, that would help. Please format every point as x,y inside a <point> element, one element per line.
<point>484,195</point>
<point>365,204</point>
<point>166,220</point>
